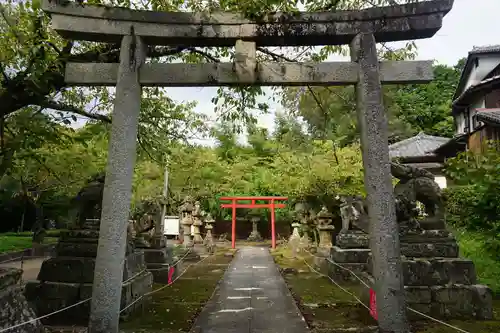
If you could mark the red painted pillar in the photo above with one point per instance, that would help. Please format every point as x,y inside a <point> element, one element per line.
<point>233,225</point>
<point>273,228</point>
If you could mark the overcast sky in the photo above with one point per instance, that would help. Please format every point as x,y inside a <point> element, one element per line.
<point>470,23</point>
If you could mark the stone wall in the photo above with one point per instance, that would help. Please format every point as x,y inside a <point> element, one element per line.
<point>14,308</point>
<point>67,278</point>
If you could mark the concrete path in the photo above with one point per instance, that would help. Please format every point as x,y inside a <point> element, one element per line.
<point>30,267</point>
<point>252,298</point>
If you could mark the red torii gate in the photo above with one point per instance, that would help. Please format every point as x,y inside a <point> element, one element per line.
<point>234,204</point>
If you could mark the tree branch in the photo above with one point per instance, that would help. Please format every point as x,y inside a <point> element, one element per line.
<point>50,104</point>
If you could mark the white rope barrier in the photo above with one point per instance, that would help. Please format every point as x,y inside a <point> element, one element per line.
<point>88,299</point>
<point>367,286</point>
<point>338,285</point>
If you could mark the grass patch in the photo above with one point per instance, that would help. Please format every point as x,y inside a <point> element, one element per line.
<point>49,233</point>
<point>19,243</point>
<point>487,269</point>
<point>175,308</point>
<point>326,307</point>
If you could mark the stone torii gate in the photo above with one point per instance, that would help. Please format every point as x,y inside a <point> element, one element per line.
<point>360,29</point>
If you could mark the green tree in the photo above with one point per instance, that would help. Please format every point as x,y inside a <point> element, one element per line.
<point>330,113</point>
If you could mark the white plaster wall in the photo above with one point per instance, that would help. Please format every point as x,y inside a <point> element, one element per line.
<point>441,181</point>
<point>460,121</point>
<point>479,104</point>
<point>486,64</point>
<point>460,118</point>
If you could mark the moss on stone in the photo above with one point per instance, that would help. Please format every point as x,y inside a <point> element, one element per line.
<point>327,307</point>
<point>174,308</point>
<point>472,326</point>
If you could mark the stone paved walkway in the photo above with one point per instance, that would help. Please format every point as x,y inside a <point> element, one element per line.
<point>252,298</point>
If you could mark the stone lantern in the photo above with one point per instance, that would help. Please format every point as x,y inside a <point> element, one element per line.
<point>197,223</point>
<point>325,228</point>
<point>255,234</point>
<point>186,211</point>
<point>296,216</point>
<point>209,240</point>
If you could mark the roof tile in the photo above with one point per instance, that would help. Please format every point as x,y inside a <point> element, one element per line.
<point>419,145</point>
<point>489,116</point>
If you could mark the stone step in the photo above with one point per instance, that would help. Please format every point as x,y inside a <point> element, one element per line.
<point>435,271</point>
<point>443,249</point>
<point>336,272</point>
<point>340,255</point>
<point>454,301</point>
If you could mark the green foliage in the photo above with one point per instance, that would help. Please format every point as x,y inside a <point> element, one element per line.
<point>330,112</point>
<point>474,246</point>
<point>476,204</point>
<point>426,107</point>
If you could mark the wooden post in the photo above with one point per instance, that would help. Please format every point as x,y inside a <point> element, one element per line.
<point>384,236</point>
<point>108,274</point>
<point>233,224</point>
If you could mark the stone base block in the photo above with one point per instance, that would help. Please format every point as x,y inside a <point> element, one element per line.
<point>321,264</point>
<point>81,270</point>
<point>351,255</point>
<point>353,239</point>
<point>158,242</point>
<point>436,272</point>
<point>430,250</point>
<point>336,272</point>
<point>451,302</point>
<point>160,272</point>
<point>199,250</point>
<point>446,302</point>
<point>48,297</point>
<point>429,244</point>
<point>15,309</point>
<point>158,256</point>
<point>254,237</point>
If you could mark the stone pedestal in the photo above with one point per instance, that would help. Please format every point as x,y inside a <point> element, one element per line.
<point>158,258</point>
<point>15,309</point>
<point>67,278</point>
<point>437,282</point>
<point>325,236</point>
<point>325,240</point>
<point>351,251</point>
<point>186,234</point>
<point>185,211</point>
<point>197,239</point>
<point>255,234</point>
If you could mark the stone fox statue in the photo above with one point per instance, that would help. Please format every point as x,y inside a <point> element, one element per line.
<point>417,184</point>
<point>88,201</point>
